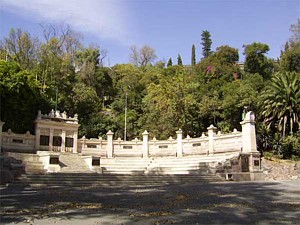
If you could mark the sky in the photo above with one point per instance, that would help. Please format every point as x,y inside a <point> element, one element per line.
<point>171,27</point>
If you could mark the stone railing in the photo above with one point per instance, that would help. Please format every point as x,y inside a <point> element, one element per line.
<point>213,143</point>
<point>19,142</point>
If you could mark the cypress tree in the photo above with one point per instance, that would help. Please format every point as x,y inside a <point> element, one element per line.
<point>206,43</point>
<point>179,60</point>
<point>170,63</point>
<point>193,62</point>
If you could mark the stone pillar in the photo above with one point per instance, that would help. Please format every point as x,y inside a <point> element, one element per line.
<point>51,139</point>
<point>63,141</point>
<point>37,138</point>
<point>110,145</point>
<point>211,134</point>
<point>249,148</point>
<point>145,145</point>
<point>248,133</point>
<point>179,143</point>
<point>1,125</point>
<point>75,141</point>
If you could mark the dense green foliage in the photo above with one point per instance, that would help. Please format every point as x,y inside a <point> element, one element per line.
<point>60,72</point>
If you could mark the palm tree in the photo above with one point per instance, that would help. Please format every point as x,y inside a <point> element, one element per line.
<point>280,103</point>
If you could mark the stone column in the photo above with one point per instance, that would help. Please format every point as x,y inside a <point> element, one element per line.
<point>1,125</point>
<point>145,145</point>
<point>37,137</point>
<point>63,140</point>
<point>75,141</point>
<point>211,134</point>
<point>110,145</point>
<point>249,142</point>
<point>51,139</point>
<point>248,133</point>
<point>179,143</point>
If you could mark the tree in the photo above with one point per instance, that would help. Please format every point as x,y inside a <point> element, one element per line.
<point>290,58</point>
<point>179,60</point>
<point>256,61</point>
<point>280,102</point>
<point>128,81</point>
<point>227,54</point>
<point>22,48</point>
<point>20,97</point>
<point>220,64</point>
<point>193,60</point>
<point>170,63</point>
<point>206,43</point>
<point>143,56</point>
<point>295,29</point>
<point>170,104</point>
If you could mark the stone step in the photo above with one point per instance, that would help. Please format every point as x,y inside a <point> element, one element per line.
<point>93,176</point>
<point>81,180</point>
<point>101,177</point>
<point>72,163</point>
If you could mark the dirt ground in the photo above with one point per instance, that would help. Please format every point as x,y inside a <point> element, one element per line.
<point>276,202</point>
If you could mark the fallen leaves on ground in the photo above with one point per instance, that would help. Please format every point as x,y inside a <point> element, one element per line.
<point>149,214</point>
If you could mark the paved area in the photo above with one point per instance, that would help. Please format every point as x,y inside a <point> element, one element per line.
<point>195,203</point>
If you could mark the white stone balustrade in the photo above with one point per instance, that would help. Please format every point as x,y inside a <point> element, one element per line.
<point>213,143</point>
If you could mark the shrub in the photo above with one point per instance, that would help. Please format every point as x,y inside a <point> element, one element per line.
<point>291,146</point>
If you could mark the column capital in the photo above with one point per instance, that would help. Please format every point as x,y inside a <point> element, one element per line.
<point>249,118</point>
<point>179,131</point>
<point>110,132</point>
<point>212,127</point>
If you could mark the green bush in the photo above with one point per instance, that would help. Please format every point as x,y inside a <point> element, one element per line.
<point>291,146</point>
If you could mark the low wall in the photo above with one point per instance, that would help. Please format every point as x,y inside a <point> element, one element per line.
<point>38,162</point>
<point>20,142</point>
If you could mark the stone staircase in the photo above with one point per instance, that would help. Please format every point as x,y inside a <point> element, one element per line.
<point>162,165</point>
<point>94,180</point>
<point>72,163</point>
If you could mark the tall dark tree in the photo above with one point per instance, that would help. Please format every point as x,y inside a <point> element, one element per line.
<point>170,63</point>
<point>206,43</point>
<point>179,60</point>
<point>193,61</point>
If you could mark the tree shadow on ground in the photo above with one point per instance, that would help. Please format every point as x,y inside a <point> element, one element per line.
<point>153,200</point>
